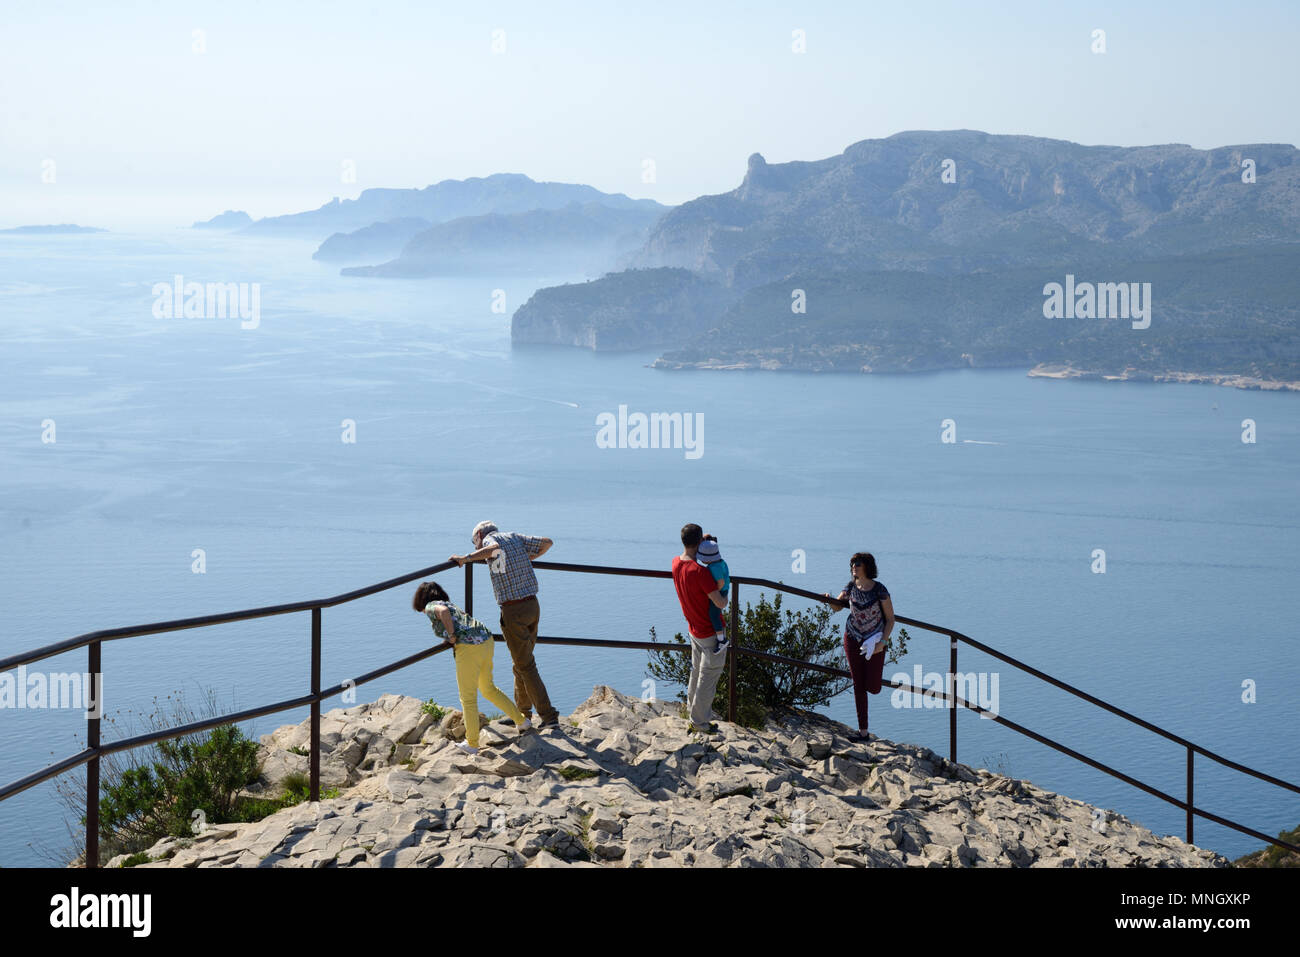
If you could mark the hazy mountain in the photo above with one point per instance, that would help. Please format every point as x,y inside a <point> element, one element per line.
<point>901,270</point>
<point>449,199</point>
<point>883,204</point>
<point>55,230</point>
<point>633,309</point>
<point>230,219</point>
<point>376,241</point>
<point>586,237</point>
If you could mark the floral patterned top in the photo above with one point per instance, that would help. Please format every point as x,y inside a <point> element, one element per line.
<point>469,630</point>
<point>866,616</point>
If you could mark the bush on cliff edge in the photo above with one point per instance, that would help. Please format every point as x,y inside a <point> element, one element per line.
<point>765,687</point>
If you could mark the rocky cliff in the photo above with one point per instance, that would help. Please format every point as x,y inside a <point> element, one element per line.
<point>634,309</point>
<point>963,200</point>
<point>622,783</point>
<point>935,250</point>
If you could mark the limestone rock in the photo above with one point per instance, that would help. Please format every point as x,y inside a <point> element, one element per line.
<point>622,783</point>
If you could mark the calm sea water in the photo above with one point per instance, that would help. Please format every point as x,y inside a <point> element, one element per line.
<point>180,434</point>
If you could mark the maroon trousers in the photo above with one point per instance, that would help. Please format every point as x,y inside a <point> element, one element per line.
<point>867,676</point>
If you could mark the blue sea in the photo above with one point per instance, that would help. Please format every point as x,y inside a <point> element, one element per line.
<point>177,437</point>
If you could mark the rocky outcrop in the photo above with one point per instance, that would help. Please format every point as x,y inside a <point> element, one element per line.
<point>634,309</point>
<point>622,783</point>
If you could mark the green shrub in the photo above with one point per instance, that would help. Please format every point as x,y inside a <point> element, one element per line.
<point>295,792</point>
<point>149,793</point>
<point>200,772</point>
<point>1272,855</point>
<point>1275,856</point>
<point>254,809</point>
<point>134,859</point>
<point>144,791</point>
<point>436,711</point>
<point>765,687</point>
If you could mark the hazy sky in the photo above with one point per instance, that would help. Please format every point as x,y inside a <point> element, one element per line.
<point>145,130</point>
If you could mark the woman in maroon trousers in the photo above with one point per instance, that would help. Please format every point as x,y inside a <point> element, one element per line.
<point>866,633</point>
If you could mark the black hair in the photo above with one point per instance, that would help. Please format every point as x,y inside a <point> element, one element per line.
<point>867,560</point>
<point>692,535</point>
<point>427,592</point>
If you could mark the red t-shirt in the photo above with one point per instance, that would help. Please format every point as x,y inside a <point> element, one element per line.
<point>694,584</point>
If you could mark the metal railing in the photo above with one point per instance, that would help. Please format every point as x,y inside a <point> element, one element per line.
<point>96,749</point>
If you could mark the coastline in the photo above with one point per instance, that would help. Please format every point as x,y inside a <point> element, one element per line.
<point>1044,370</point>
<point>1049,370</point>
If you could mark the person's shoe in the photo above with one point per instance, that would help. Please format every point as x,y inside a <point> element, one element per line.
<point>466,747</point>
<point>547,725</point>
<point>526,727</point>
<point>721,646</point>
<point>694,729</point>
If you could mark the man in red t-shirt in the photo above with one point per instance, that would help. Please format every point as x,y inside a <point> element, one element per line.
<point>696,588</point>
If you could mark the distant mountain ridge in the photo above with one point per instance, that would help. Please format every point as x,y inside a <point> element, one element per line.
<point>230,219</point>
<point>58,229</point>
<point>440,202</point>
<point>883,204</point>
<point>376,241</point>
<point>993,219</point>
<point>586,237</point>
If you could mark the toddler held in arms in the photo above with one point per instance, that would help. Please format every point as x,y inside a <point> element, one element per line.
<point>711,558</point>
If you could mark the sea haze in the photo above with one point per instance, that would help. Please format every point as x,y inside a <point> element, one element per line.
<point>180,434</point>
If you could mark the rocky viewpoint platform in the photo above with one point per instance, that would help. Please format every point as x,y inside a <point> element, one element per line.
<point>623,783</point>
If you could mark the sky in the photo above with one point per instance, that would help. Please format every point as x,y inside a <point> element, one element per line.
<point>153,115</point>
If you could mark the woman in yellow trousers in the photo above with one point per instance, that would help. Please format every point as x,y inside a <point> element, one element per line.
<point>473,650</point>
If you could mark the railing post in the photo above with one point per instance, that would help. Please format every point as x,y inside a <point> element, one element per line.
<point>952,703</point>
<point>469,588</point>
<point>733,626</point>
<point>1190,816</point>
<point>92,766</point>
<point>315,705</point>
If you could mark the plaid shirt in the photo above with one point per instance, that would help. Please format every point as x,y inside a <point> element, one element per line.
<point>512,572</point>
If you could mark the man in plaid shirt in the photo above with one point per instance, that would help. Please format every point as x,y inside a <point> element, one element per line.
<point>515,586</point>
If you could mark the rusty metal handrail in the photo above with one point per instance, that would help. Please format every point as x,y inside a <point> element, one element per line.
<point>93,641</point>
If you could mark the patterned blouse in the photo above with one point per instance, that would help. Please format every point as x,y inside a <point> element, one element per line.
<point>469,630</point>
<point>866,616</point>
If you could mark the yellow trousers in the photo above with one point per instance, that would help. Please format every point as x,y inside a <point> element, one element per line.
<point>474,675</point>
